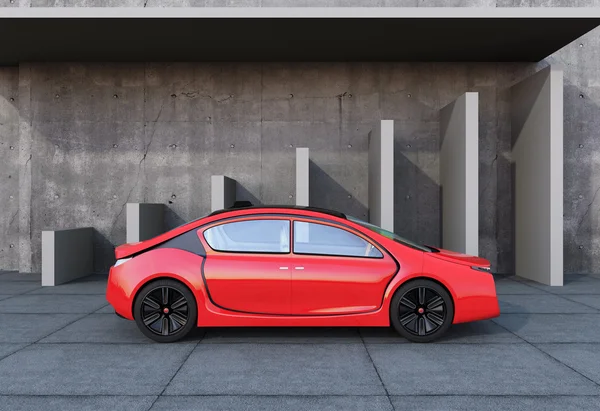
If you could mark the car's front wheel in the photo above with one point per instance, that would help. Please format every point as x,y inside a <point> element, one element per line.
<point>165,310</point>
<point>421,310</point>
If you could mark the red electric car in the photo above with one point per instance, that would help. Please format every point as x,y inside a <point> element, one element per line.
<point>295,266</point>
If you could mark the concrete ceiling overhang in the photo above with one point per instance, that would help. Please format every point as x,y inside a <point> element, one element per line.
<point>289,34</point>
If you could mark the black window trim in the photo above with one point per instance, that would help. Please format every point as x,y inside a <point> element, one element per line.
<point>352,231</point>
<point>245,218</point>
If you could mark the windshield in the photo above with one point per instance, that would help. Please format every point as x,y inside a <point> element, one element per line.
<point>389,234</point>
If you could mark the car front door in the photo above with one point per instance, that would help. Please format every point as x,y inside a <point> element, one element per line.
<point>337,270</point>
<point>247,267</point>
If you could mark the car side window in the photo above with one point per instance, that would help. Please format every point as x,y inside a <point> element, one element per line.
<point>321,239</point>
<point>250,236</point>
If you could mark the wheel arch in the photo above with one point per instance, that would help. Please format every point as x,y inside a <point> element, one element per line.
<point>143,284</point>
<point>423,277</point>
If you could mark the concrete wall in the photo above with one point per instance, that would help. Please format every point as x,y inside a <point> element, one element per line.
<point>161,150</point>
<point>459,174</point>
<point>537,128</point>
<point>156,132</point>
<point>381,174</point>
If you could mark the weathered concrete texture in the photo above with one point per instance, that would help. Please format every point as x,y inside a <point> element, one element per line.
<point>103,135</point>
<point>176,124</point>
<point>9,176</point>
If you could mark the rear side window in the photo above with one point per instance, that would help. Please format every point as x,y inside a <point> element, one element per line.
<point>321,239</point>
<point>250,236</point>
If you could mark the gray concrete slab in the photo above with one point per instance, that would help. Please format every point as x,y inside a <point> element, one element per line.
<point>5,296</point>
<point>8,349</point>
<point>583,358</point>
<point>99,328</point>
<point>541,304</point>
<point>52,304</point>
<point>16,276</point>
<point>259,403</point>
<point>505,286</point>
<point>553,328</point>
<point>101,369</point>
<point>277,369</point>
<point>591,300</point>
<point>79,287</point>
<point>282,335</point>
<point>480,332</point>
<point>483,370</point>
<point>107,309</point>
<point>502,403</point>
<point>573,284</point>
<point>28,328</point>
<point>18,287</point>
<point>79,403</point>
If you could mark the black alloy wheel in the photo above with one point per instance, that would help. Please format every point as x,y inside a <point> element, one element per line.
<point>165,310</point>
<point>421,310</point>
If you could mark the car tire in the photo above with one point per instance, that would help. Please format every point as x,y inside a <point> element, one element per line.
<point>421,310</point>
<point>165,311</point>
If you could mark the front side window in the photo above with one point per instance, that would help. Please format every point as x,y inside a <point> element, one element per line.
<point>251,236</point>
<point>321,239</point>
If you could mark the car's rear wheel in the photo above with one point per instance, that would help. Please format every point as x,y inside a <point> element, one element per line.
<point>421,310</point>
<point>165,311</point>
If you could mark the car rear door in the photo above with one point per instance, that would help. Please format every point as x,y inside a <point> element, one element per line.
<point>337,270</point>
<point>247,267</point>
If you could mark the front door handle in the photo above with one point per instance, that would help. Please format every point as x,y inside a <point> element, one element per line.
<point>299,268</point>
<point>283,268</point>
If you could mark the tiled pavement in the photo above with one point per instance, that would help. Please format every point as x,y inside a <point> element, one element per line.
<point>62,348</point>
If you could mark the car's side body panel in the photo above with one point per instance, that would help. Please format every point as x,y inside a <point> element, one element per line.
<point>251,283</point>
<point>336,284</point>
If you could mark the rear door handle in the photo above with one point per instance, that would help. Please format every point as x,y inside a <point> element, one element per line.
<point>299,268</point>
<point>283,268</point>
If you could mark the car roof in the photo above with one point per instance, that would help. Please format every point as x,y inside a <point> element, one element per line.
<point>258,209</point>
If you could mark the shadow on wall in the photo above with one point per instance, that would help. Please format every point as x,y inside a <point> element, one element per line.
<point>104,252</point>
<point>243,194</point>
<point>171,218</point>
<point>417,196</point>
<point>325,192</point>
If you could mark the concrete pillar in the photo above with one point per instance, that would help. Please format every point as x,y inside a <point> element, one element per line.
<point>459,174</point>
<point>144,221</point>
<point>381,175</point>
<point>66,255</point>
<point>222,192</point>
<point>302,192</point>
<point>537,152</point>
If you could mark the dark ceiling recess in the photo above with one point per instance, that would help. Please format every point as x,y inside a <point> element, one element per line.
<point>286,39</point>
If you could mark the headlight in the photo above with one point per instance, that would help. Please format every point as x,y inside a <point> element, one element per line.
<point>484,269</point>
<point>121,261</point>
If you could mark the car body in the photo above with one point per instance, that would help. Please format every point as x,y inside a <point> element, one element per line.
<point>294,266</point>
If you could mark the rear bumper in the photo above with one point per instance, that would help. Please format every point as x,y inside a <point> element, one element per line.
<point>478,299</point>
<point>116,295</point>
